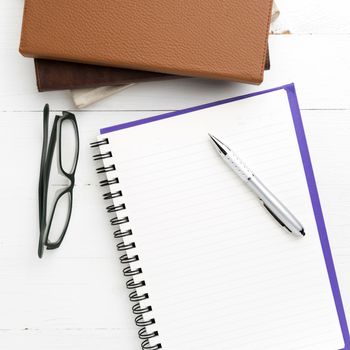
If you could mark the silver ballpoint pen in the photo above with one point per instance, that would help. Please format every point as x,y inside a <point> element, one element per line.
<point>268,199</point>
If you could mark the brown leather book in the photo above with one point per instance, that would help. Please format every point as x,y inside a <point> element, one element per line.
<point>59,75</point>
<point>220,39</point>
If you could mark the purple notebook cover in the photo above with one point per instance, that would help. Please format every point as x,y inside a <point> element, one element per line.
<point>309,173</point>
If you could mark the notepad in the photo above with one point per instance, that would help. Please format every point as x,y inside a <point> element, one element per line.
<point>209,267</point>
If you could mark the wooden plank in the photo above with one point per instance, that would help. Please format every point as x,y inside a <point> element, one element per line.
<point>316,17</point>
<point>317,64</point>
<point>64,293</point>
<point>328,138</point>
<point>56,339</point>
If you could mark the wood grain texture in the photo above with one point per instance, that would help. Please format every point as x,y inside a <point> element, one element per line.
<point>316,17</point>
<point>315,63</point>
<point>76,298</point>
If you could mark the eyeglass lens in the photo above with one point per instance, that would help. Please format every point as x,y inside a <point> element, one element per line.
<point>59,216</point>
<point>69,145</point>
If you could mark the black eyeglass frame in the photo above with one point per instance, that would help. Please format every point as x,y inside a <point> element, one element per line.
<point>48,148</point>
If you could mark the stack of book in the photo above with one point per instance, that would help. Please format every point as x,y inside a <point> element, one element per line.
<point>80,45</point>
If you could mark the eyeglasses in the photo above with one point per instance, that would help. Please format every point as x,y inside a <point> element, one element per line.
<point>53,226</point>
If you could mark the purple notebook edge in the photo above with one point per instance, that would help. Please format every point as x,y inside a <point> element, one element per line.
<point>316,204</point>
<point>310,177</point>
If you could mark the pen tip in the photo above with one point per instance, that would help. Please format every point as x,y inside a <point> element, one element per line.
<point>302,232</point>
<point>213,138</point>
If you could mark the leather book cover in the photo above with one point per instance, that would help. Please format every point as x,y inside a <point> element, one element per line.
<point>59,75</point>
<point>219,39</point>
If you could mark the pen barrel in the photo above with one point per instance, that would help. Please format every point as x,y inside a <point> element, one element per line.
<point>239,167</point>
<point>276,208</point>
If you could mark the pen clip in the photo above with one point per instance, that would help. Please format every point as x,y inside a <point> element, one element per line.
<point>275,217</point>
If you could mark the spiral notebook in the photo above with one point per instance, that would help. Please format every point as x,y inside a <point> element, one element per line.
<point>208,268</point>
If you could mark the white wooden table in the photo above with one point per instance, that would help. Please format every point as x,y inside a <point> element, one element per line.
<point>75,297</point>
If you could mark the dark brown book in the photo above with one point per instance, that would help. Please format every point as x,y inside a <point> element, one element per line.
<point>59,75</point>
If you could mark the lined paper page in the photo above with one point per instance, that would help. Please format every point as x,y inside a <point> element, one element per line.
<point>220,272</point>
